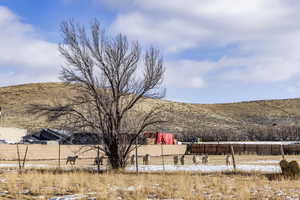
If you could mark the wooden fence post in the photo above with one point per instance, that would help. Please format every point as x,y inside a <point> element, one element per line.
<point>162,156</point>
<point>24,159</point>
<point>59,155</point>
<point>136,156</point>
<point>282,152</point>
<point>233,159</point>
<point>19,158</point>
<point>256,149</point>
<point>98,159</point>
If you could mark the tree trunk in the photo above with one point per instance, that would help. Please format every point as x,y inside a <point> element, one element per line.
<point>117,160</point>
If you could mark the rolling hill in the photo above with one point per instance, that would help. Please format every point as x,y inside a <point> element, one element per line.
<point>234,116</point>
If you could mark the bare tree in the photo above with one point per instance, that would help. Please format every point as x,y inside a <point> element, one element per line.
<point>111,78</point>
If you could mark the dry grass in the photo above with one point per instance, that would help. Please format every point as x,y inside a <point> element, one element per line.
<point>15,99</point>
<point>38,185</point>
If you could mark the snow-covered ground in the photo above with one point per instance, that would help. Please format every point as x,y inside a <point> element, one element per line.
<point>206,168</point>
<point>266,162</point>
<point>193,168</point>
<point>252,166</point>
<point>88,196</point>
<point>26,165</point>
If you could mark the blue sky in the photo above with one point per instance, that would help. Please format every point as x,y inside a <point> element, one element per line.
<point>215,51</point>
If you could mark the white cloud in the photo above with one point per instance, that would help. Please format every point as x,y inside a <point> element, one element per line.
<point>25,57</point>
<point>265,34</point>
<point>187,73</point>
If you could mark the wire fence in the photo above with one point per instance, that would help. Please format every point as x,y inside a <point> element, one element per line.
<point>259,149</point>
<point>56,156</point>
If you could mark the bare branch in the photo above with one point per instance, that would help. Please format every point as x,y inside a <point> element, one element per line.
<point>103,71</point>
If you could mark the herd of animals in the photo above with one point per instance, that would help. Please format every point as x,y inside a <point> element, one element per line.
<point>146,159</point>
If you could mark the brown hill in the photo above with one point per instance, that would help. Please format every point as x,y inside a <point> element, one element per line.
<point>234,116</point>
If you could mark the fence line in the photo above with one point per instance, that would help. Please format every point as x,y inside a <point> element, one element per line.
<point>259,149</point>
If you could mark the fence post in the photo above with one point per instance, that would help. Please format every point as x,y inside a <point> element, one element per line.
<point>136,156</point>
<point>24,159</point>
<point>282,152</point>
<point>233,159</point>
<point>256,149</point>
<point>19,159</point>
<point>98,159</point>
<point>59,155</point>
<point>162,156</point>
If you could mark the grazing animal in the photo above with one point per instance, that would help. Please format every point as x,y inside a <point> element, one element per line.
<point>71,160</point>
<point>182,160</point>
<point>132,160</point>
<point>228,160</point>
<point>146,159</point>
<point>99,161</point>
<point>176,159</point>
<point>196,159</point>
<point>205,159</point>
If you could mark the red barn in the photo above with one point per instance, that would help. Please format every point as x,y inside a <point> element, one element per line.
<point>161,138</point>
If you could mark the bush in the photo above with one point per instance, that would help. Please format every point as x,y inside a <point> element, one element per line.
<point>294,168</point>
<point>289,169</point>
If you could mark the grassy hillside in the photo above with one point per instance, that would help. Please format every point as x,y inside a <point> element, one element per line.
<point>235,116</point>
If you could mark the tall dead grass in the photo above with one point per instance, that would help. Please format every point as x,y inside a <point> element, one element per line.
<point>46,184</point>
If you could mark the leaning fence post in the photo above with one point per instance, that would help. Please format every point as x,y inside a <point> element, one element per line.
<point>24,159</point>
<point>233,159</point>
<point>282,152</point>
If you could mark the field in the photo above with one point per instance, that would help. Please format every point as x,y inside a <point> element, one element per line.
<point>257,177</point>
<point>84,185</point>
<point>42,180</point>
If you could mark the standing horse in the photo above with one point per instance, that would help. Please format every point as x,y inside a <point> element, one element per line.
<point>205,159</point>
<point>99,160</point>
<point>176,159</point>
<point>146,159</point>
<point>71,160</point>
<point>132,159</point>
<point>228,160</point>
<point>182,160</point>
<point>196,159</point>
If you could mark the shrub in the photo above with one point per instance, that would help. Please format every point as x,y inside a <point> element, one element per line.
<point>289,169</point>
<point>294,168</point>
<point>284,165</point>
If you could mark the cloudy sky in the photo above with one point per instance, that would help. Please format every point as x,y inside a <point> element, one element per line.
<point>215,50</point>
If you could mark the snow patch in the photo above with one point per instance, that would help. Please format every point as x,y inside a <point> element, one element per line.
<point>266,162</point>
<point>26,165</point>
<point>205,168</point>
